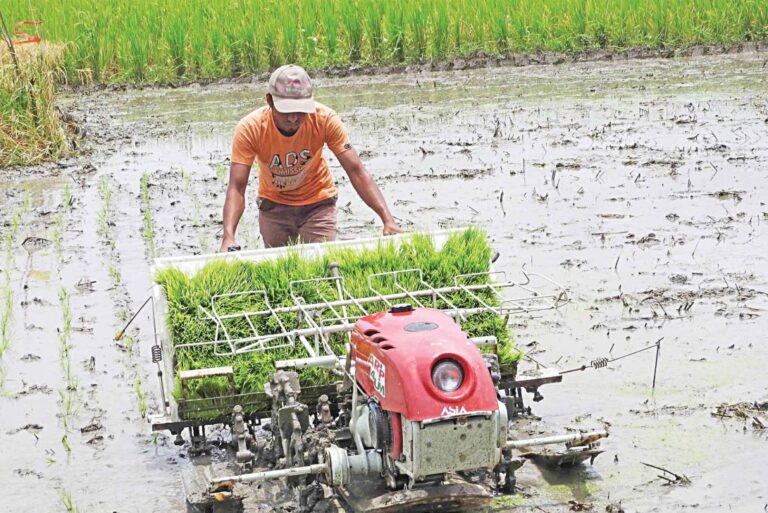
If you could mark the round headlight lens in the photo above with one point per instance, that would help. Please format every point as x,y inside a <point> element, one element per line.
<point>447,375</point>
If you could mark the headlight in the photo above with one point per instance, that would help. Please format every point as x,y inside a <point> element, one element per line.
<point>447,375</point>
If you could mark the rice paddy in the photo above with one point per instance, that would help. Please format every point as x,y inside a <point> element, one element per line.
<point>106,222</point>
<point>164,41</point>
<point>463,253</point>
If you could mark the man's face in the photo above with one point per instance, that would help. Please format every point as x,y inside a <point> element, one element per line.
<point>287,122</point>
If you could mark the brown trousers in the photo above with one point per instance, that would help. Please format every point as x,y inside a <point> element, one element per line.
<point>281,225</point>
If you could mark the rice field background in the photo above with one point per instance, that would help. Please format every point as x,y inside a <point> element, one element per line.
<point>150,41</point>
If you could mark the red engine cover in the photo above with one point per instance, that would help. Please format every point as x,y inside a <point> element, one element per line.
<point>394,354</point>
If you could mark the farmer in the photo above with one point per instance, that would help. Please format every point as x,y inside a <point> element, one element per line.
<point>297,195</point>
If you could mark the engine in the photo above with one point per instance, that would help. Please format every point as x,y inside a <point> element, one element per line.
<point>432,405</point>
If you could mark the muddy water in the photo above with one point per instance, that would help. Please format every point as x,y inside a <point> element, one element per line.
<point>640,185</point>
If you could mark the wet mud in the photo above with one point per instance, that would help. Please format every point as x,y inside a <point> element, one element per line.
<point>641,185</point>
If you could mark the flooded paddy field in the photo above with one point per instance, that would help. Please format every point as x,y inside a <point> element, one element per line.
<point>641,185</point>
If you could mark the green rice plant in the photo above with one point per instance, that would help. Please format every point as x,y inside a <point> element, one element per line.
<point>65,333</point>
<point>395,33</point>
<point>418,25</point>
<point>66,497</point>
<point>6,290</point>
<point>6,312</point>
<point>68,406</point>
<point>105,213</point>
<point>146,206</point>
<point>140,397</point>
<point>65,443</point>
<point>114,273</point>
<point>463,253</point>
<point>221,172</point>
<point>441,27</point>
<point>129,340</point>
<point>162,40</point>
<point>202,238</point>
<point>353,29</point>
<point>67,198</point>
<point>58,238</point>
<point>374,29</point>
<point>330,22</point>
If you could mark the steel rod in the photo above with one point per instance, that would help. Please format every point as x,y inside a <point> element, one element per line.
<point>585,367</point>
<point>341,328</point>
<point>557,439</point>
<point>318,468</point>
<point>394,296</point>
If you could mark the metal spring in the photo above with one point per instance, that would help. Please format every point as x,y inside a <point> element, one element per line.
<point>157,354</point>
<point>599,363</point>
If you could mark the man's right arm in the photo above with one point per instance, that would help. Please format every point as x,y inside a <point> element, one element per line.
<point>234,204</point>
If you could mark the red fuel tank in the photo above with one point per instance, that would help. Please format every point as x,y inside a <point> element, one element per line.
<point>396,351</point>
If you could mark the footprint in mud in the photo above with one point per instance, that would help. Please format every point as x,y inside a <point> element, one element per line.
<point>32,244</point>
<point>29,428</point>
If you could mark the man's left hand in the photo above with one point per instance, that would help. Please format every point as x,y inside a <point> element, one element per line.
<point>391,228</point>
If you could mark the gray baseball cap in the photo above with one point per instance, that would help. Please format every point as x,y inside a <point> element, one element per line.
<point>291,89</point>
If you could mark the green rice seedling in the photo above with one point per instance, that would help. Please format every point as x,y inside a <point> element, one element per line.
<point>67,198</point>
<point>6,311</point>
<point>114,274</point>
<point>146,202</point>
<point>65,331</point>
<point>66,313</point>
<point>66,497</point>
<point>105,212</point>
<point>68,406</point>
<point>202,239</point>
<point>58,238</point>
<point>65,443</point>
<point>221,172</point>
<point>140,397</point>
<point>466,252</point>
<point>6,290</point>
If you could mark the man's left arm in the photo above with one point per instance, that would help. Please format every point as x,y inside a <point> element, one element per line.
<point>367,189</point>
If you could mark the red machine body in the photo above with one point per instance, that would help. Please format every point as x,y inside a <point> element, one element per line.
<point>394,354</point>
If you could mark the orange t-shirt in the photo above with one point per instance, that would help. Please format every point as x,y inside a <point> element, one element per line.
<point>292,170</point>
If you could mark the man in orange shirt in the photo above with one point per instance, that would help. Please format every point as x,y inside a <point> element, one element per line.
<point>297,195</point>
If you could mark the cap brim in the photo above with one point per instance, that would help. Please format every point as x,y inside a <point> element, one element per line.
<point>289,105</point>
